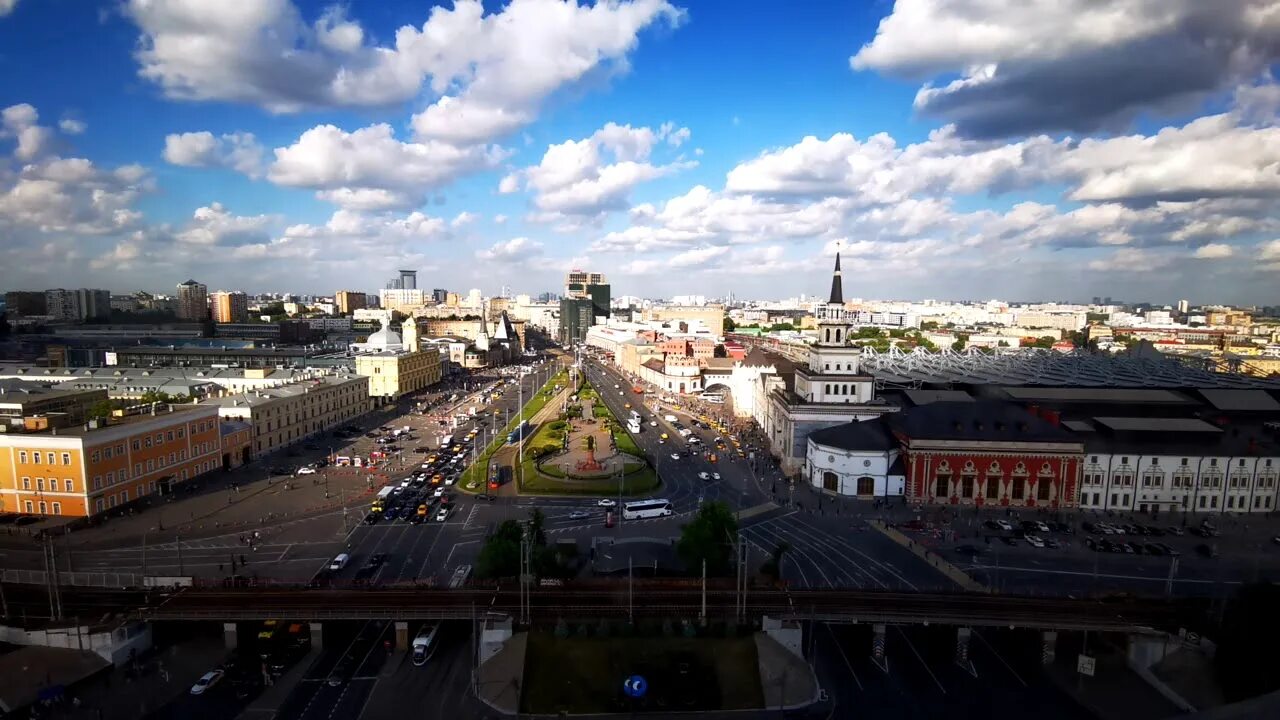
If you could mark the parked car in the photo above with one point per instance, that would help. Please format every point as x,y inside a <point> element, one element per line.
<point>1175,530</point>
<point>1004,525</point>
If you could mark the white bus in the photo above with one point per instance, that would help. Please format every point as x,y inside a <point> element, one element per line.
<point>640,509</point>
<point>446,441</point>
<point>633,426</point>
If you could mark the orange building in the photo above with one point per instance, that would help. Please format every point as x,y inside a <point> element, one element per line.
<point>88,469</point>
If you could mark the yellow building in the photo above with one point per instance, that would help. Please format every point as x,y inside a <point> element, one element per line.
<point>287,414</point>
<point>89,468</point>
<point>348,301</point>
<point>393,374</point>
<point>229,307</point>
<point>711,316</point>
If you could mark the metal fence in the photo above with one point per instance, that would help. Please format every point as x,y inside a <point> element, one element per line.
<point>74,579</point>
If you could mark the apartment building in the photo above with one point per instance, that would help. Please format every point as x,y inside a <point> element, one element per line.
<point>282,416</point>
<point>348,301</point>
<point>81,470</point>
<point>193,301</point>
<point>229,307</point>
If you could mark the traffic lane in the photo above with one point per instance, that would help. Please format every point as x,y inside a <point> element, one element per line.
<point>316,698</point>
<point>439,689</point>
<point>276,560</point>
<point>838,552</point>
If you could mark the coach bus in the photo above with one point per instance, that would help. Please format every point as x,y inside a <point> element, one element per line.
<point>641,509</point>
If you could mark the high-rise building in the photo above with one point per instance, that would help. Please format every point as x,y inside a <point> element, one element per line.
<point>576,317</point>
<point>1184,306</point>
<point>440,295</point>
<point>229,307</point>
<point>94,303</point>
<point>402,299</point>
<point>348,301</point>
<point>599,294</point>
<point>193,301</point>
<point>408,279</point>
<point>474,298</point>
<point>25,302</point>
<point>62,304</point>
<point>576,282</point>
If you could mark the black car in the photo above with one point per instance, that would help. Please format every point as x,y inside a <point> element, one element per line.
<point>372,518</point>
<point>311,446</point>
<point>376,560</point>
<point>970,550</point>
<point>278,470</point>
<point>1009,540</point>
<point>991,525</point>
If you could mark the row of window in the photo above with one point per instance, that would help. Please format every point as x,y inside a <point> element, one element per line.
<point>1206,502</point>
<point>1017,488</point>
<point>1213,462</point>
<point>840,389</point>
<point>1181,480</point>
<point>69,485</point>
<point>38,458</point>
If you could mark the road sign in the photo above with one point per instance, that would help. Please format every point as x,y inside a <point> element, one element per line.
<point>1085,665</point>
<point>635,686</point>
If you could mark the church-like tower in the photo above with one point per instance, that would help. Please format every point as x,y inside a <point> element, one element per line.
<point>832,373</point>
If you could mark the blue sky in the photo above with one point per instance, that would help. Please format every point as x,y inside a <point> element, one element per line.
<point>950,148</point>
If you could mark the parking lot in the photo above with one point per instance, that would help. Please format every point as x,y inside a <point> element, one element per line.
<point>1098,555</point>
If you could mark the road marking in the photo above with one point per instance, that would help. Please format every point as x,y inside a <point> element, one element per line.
<point>284,552</point>
<point>471,516</point>
<point>842,654</point>
<point>922,662</point>
<point>1161,579</point>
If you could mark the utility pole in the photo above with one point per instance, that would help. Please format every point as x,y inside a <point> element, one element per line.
<point>703,615</point>
<point>180,566</point>
<point>631,609</point>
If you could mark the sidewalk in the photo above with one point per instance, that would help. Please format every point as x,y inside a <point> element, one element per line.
<point>502,674</point>
<point>786,680</point>
<point>116,696</point>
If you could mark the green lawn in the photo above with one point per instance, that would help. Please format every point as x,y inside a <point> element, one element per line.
<point>474,477</point>
<point>584,674</point>
<point>640,480</point>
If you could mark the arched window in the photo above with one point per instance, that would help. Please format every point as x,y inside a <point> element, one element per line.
<point>830,481</point>
<point>866,485</point>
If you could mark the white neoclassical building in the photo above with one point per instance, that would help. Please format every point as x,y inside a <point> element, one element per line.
<point>859,459</point>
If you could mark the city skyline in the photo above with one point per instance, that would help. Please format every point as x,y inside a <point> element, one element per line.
<point>310,148</point>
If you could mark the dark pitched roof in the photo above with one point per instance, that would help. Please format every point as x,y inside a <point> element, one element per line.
<point>984,420</point>
<point>872,435</point>
<point>837,290</point>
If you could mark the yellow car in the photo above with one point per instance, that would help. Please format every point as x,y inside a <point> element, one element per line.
<point>268,630</point>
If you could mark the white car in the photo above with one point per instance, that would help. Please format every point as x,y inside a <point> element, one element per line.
<point>206,681</point>
<point>450,480</point>
<point>653,423</point>
<point>306,470</point>
<point>605,502</point>
<point>1004,525</point>
<point>1034,541</point>
<point>675,456</point>
<point>579,515</point>
<point>438,492</point>
<point>442,515</point>
<point>704,476</point>
<point>715,476</point>
<point>1041,526</point>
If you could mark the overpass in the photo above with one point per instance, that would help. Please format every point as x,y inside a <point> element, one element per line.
<point>839,606</point>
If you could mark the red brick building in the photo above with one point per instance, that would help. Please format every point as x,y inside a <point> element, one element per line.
<point>987,453</point>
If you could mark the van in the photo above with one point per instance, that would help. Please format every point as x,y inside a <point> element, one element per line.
<point>424,644</point>
<point>339,562</point>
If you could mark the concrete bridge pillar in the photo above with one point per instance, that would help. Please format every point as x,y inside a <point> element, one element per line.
<point>230,635</point>
<point>962,651</point>
<point>402,635</point>
<point>317,636</point>
<point>1048,646</point>
<point>878,655</point>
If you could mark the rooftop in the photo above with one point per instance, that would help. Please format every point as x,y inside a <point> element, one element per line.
<point>982,420</point>
<point>872,435</point>
<point>157,412</point>
<point>1048,368</point>
<point>1156,425</point>
<point>20,391</point>
<point>1102,395</point>
<point>1241,400</point>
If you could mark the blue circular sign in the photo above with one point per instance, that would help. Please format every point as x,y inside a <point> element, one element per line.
<point>635,686</point>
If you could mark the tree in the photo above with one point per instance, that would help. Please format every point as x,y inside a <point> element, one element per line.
<point>929,325</point>
<point>709,537</point>
<point>500,555</point>
<point>777,327</point>
<point>958,345</point>
<point>1250,630</point>
<point>729,325</point>
<point>100,409</point>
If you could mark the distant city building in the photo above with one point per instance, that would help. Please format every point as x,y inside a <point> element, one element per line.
<point>62,304</point>
<point>193,301</point>
<point>440,295</point>
<point>348,301</point>
<point>404,300</point>
<point>710,316</point>
<point>25,302</point>
<point>229,307</point>
<point>395,363</point>
<point>289,414</point>
<point>1184,307</point>
<point>474,298</point>
<point>576,282</point>
<point>408,279</point>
